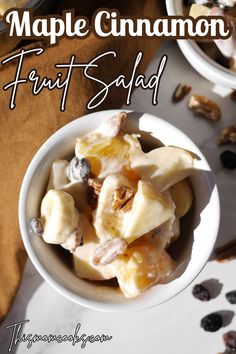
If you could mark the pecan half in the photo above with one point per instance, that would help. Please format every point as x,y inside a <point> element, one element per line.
<point>108,251</point>
<point>96,184</point>
<point>122,198</point>
<point>204,107</point>
<point>180,92</point>
<point>228,135</point>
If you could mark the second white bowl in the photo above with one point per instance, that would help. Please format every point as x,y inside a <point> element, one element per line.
<point>200,61</point>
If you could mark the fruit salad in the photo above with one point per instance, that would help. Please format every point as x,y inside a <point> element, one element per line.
<point>116,208</point>
<point>221,51</point>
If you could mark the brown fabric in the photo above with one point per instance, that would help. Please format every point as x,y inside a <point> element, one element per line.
<point>24,129</point>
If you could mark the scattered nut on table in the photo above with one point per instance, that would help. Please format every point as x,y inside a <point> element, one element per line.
<point>204,107</point>
<point>228,135</point>
<point>180,92</point>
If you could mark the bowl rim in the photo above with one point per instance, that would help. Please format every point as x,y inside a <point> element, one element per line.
<point>26,237</point>
<point>201,62</point>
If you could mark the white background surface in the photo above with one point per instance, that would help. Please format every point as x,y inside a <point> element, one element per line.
<point>172,328</point>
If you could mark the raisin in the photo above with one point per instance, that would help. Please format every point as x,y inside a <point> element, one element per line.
<point>78,170</point>
<point>228,159</point>
<point>230,341</point>
<point>231,297</point>
<point>201,293</point>
<point>212,322</point>
<point>36,226</point>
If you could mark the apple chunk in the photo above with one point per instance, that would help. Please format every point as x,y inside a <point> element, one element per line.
<point>163,166</point>
<point>82,258</point>
<point>149,209</point>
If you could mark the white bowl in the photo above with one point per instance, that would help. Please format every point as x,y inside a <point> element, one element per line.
<point>201,62</point>
<point>192,252</point>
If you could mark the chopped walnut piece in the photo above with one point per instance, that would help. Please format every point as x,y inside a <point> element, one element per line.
<point>108,251</point>
<point>180,92</point>
<point>228,135</point>
<point>204,107</point>
<point>96,184</point>
<point>122,198</point>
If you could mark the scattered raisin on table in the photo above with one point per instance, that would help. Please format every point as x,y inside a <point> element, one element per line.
<point>228,159</point>
<point>230,341</point>
<point>231,297</point>
<point>201,293</point>
<point>212,322</point>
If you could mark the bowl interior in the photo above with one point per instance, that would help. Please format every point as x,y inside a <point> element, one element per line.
<point>191,251</point>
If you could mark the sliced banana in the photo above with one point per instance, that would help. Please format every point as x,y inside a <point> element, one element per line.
<point>82,258</point>
<point>149,210</point>
<point>144,264</point>
<point>183,197</point>
<point>59,215</point>
<point>163,166</point>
